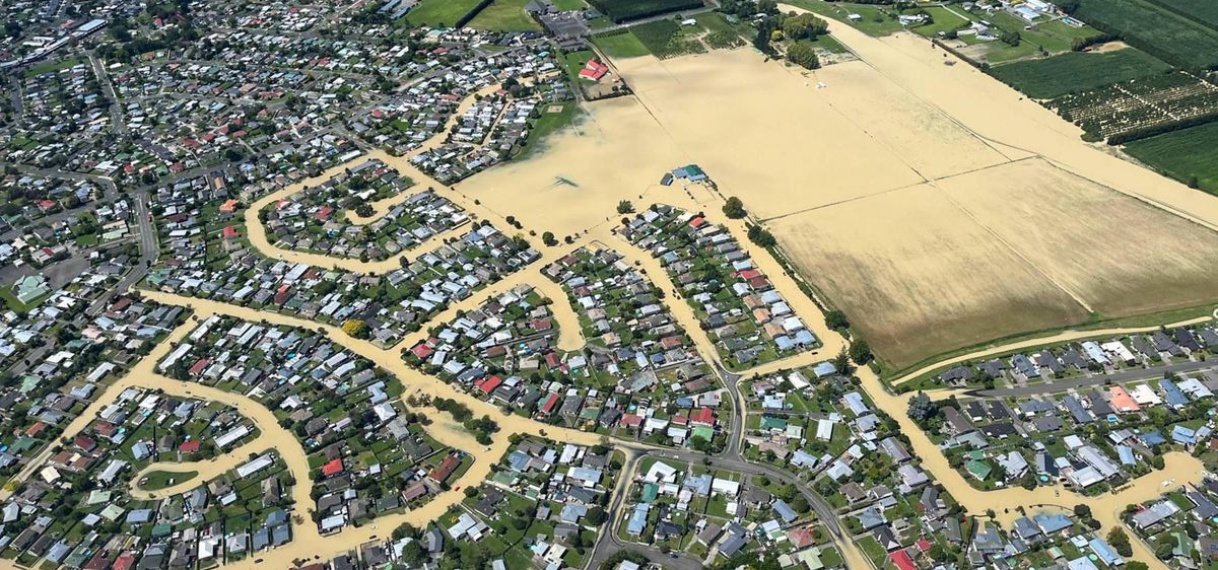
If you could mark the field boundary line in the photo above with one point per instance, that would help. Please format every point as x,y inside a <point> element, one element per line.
<point>897,188</point>
<point>1140,197</point>
<point>1077,298</point>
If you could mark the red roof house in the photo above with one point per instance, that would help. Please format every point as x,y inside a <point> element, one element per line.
<point>445,469</point>
<point>902,560</point>
<point>334,467</point>
<point>488,385</point>
<point>594,70</point>
<point>422,351</point>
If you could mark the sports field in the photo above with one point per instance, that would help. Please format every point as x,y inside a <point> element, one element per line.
<point>505,16</point>
<point>1188,155</point>
<point>1077,71</point>
<point>439,12</point>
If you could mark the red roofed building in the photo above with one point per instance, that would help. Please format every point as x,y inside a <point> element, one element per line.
<point>283,294</point>
<point>334,467</point>
<point>85,443</point>
<point>230,232</point>
<point>422,351</point>
<point>323,213</point>
<point>445,469</point>
<point>594,70</point>
<point>632,420</point>
<point>124,561</point>
<point>229,206</point>
<point>697,222</point>
<point>902,560</point>
<point>548,407</point>
<point>191,446</point>
<point>199,367</point>
<point>704,416</point>
<point>488,385</point>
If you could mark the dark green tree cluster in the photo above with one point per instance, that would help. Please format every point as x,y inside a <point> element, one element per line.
<point>734,208</point>
<point>804,27</point>
<point>803,54</point>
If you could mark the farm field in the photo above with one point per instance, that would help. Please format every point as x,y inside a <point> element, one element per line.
<point>1203,10</point>
<point>621,44</point>
<point>1077,71</point>
<point>623,10</point>
<point>505,16</point>
<point>440,12</point>
<point>1090,240</point>
<point>1164,34</point>
<point>1183,155</point>
<point>918,276</point>
<point>1123,110</point>
<point>665,38</point>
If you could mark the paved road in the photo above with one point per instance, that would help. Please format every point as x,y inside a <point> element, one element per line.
<point>1081,382</point>
<point>609,544</point>
<point>116,109</point>
<point>730,460</point>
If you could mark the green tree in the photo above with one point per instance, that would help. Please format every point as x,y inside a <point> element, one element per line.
<point>596,516</point>
<point>803,54</point>
<point>860,352</point>
<point>922,408</point>
<point>548,239</point>
<point>1120,541</point>
<point>734,208</point>
<point>762,40</point>
<point>625,207</point>
<point>804,27</point>
<point>836,320</point>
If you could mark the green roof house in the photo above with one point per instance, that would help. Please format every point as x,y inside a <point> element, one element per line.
<point>979,469</point>
<point>28,289</point>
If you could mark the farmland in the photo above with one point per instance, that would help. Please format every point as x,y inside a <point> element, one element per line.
<point>1077,71</point>
<point>1203,10</point>
<point>918,277</point>
<point>623,10</point>
<point>620,44</point>
<point>1183,155</point>
<point>1124,108</point>
<point>664,38</point>
<point>1167,35</point>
